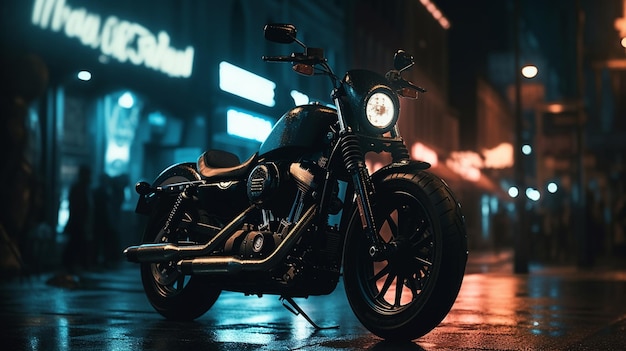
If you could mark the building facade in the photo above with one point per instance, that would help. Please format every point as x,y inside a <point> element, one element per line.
<point>137,86</point>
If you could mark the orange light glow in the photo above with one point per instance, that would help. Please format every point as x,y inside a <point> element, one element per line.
<point>499,157</point>
<point>436,13</point>
<point>373,166</point>
<point>465,163</point>
<point>422,152</point>
<point>555,108</point>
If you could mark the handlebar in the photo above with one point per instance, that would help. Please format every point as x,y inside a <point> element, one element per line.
<point>277,58</point>
<point>396,79</point>
<point>311,57</point>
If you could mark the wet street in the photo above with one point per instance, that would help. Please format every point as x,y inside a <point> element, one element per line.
<point>549,309</point>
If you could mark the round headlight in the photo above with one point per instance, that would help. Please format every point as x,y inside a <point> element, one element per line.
<point>381,110</point>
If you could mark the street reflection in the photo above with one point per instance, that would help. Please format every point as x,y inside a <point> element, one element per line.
<point>492,309</point>
<point>546,312</point>
<point>496,299</point>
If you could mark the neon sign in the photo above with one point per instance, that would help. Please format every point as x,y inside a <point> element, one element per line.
<point>469,163</point>
<point>247,126</point>
<point>114,37</point>
<point>422,152</point>
<point>246,84</point>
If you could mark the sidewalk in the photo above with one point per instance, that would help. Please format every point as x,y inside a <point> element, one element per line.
<point>490,262</point>
<point>501,261</point>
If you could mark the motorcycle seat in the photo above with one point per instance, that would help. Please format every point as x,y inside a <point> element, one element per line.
<point>219,165</point>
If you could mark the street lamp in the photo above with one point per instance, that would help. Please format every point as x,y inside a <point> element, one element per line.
<point>521,238</point>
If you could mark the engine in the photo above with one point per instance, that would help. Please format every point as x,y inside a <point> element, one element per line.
<point>274,185</point>
<point>282,191</point>
<point>264,181</point>
<point>249,243</point>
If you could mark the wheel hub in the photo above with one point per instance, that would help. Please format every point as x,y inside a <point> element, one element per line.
<point>165,273</point>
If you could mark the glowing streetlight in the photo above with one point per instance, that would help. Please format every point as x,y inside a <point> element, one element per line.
<point>527,149</point>
<point>533,194</point>
<point>84,75</point>
<point>623,42</point>
<point>552,187</point>
<point>530,71</point>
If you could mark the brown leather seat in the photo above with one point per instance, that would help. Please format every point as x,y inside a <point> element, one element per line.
<point>221,165</point>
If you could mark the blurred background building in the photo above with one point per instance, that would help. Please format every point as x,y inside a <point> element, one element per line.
<point>136,86</point>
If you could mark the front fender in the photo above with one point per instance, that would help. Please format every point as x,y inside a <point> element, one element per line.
<point>407,166</point>
<point>177,173</point>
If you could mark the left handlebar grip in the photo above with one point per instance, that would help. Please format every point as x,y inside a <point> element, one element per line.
<point>277,58</point>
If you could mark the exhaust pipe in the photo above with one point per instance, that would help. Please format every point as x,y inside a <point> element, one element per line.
<point>166,252</point>
<point>230,265</point>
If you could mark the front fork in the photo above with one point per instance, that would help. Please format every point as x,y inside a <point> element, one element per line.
<point>364,189</point>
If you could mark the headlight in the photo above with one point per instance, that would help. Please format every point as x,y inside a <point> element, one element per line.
<point>381,109</point>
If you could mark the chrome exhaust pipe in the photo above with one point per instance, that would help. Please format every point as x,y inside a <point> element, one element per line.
<point>166,252</point>
<point>230,265</point>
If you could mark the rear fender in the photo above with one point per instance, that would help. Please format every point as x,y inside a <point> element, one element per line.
<point>177,173</point>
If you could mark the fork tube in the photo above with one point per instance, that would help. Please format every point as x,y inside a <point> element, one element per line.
<point>364,189</point>
<point>342,121</point>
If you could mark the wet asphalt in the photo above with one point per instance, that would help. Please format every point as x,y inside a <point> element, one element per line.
<point>557,308</point>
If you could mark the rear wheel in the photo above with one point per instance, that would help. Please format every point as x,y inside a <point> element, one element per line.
<point>409,294</point>
<point>172,294</point>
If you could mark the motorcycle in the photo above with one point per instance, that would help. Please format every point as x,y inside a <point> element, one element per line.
<point>304,211</point>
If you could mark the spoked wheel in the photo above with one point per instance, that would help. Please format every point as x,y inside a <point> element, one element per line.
<point>408,294</point>
<point>171,293</point>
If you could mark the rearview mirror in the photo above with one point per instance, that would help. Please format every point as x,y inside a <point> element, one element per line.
<point>402,60</point>
<point>280,33</point>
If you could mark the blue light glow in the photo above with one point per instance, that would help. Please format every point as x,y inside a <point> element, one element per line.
<point>84,75</point>
<point>533,194</point>
<point>299,98</point>
<point>126,100</point>
<point>157,119</point>
<point>552,187</point>
<point>246,84</point>
<point>247,126</point>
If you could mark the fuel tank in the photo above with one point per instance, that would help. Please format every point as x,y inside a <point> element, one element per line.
<point>301,129</point>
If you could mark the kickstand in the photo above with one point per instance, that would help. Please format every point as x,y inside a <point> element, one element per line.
<point>292,307</point>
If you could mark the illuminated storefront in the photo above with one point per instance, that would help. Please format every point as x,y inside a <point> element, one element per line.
<point>106,106</point>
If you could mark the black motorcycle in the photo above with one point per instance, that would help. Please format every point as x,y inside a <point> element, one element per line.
<point>288,219</point>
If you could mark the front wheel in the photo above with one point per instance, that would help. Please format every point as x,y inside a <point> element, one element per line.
<point>408,294</point>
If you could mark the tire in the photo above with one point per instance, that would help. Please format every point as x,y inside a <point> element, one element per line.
<point>172,294</point>
<point>420,214</point>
